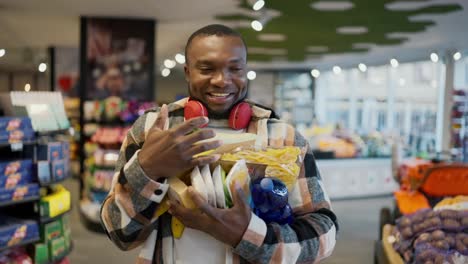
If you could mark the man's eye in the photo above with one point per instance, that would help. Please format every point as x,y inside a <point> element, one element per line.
<point>206,70</point>
<point>236,69</point>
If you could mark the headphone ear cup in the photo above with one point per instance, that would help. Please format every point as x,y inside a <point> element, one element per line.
<point>240,116</point>
<point>193,109</point>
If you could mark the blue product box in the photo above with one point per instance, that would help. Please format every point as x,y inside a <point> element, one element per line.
<point>50,151</point>
<point>58,170</point>
<point>15,123</point>
<point>16,179</point>
<point>66,149</point>
<point>98,197</point>
<point>14,231</point>
<point>12,167</point>
<point>13,136</point>
<point>19,193</point>
<point>43,171</point>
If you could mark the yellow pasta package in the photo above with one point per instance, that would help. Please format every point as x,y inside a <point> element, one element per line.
<point>282,163</point>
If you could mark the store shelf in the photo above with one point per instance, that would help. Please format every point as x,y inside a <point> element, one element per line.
<point>26,200</point>
<point>22,243</point>
<point>45,219</point>
<point>24,143</point>
<point>55,182</point>
<point>64,131</point>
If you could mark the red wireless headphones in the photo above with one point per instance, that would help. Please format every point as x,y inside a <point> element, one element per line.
<point>239,118</point>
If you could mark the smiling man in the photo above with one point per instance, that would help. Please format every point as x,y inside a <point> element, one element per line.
<point>161,145</point>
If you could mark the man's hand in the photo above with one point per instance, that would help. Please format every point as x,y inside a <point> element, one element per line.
<point>167,153</point>
<point>226,225</point>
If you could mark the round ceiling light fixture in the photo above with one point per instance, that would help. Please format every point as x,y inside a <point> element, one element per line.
<point>256,25</point>
<point>362,67</point>
<point>251,75</point>
<point>165,72</point>
<point>434,57</point>
<point>315,73</point>
<point>336,69</point>
<point>258,5</point>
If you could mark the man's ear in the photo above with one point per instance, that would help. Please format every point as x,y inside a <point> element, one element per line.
<point>187,72</point>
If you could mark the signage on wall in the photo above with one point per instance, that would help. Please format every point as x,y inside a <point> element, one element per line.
<point>117,58</point>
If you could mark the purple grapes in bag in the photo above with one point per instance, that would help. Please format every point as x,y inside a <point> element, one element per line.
<point>270,199</point>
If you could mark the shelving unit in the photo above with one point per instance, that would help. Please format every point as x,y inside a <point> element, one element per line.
<point>105,125</point>
<point>34,167</point>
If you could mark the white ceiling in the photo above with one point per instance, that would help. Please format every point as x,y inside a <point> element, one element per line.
<point>33,23</point>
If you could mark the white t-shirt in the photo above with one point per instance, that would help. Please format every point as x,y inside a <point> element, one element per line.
<point>196,246</point>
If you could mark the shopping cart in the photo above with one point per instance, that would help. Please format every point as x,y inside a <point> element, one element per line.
<point>423,184</point>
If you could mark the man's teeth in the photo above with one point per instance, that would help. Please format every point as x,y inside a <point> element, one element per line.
<point>220,94</point>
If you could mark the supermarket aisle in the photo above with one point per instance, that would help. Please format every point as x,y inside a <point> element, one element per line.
<point>358,223</point>
<point>89,247</point>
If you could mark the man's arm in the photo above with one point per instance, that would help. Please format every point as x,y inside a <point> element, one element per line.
<point>312,235</point>
<point>127,214</point>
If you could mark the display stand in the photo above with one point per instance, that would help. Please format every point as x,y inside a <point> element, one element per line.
<point>106,123</point>
<point>33,161</point>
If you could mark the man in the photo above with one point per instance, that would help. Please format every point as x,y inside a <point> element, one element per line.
<point>161,145</point>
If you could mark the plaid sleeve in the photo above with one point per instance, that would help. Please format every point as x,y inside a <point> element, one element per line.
<point>128,213</point>
<point>312,235</point>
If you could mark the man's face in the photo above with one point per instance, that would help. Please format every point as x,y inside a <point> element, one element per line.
<point>216,71</point>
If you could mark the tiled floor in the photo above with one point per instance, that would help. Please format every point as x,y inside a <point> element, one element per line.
<point>358,229</point>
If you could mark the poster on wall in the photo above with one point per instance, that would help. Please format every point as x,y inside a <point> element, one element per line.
<point>67,70</point>
<point>117,58</point>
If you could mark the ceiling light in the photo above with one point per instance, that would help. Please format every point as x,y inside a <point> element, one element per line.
<point>315,73</point>
<point>27,87</point>
<point>165,72</point>
<point>42,67</point>
<point>256,25</point>
<point>251,75</point>
<point>362,67</point>
<point>434,57</point>
<point>332,5</point>
<point>352,30</point>
<point>258,5</point>
<point>2,52</point>
<point>180,58</point>
<point>456,56</point>
<point>169,63</point>
<point>336,69</point>
<point>394,63</point>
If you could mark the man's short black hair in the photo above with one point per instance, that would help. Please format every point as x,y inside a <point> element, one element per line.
<point>210,30</point>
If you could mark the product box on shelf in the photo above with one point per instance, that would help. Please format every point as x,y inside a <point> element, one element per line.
<point>40,253</point>
<point>13,231</point>
<point>57,248</point>
<point>15,123</point>
<point>19,193</point>
<point>50,151</point>
<point>11,167</point>
<point>15,173</point>
<point>51,230</point>
<point>55,203</point>
<point>15,255</point>
<point>98,197</point>
<point>14,136</point>
<point>43,172</point>
<point>58,170</point>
